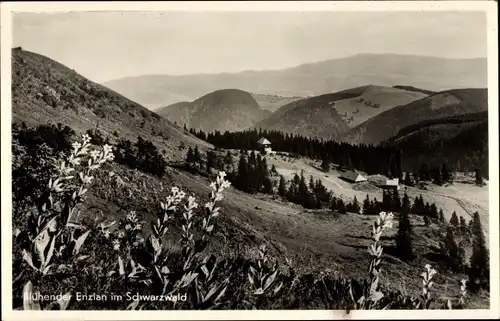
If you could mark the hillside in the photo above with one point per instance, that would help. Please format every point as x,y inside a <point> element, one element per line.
<point>460,141</point>
<point>443,104</point>
<point>311,79</point>
<point>273,102</point>
<point>372,100</point>
<point>228,109</point>
<point>328,116</point>
<point>45,91</point>
<point>415,89</point>
<point>179,113</point>
<point>312,117</point>
<point>317,251</point>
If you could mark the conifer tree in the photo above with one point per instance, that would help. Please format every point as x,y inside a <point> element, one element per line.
<point>228,159</point>
<point>449,249</point>
<point>407,180</point>
<point>325,165</point>
<point>434,211</point>
<point>386,201</point>
<point>355,205</point>
<point>321,193</point>
<point>333,205</point>
<point>454,219</point>
<point>311,183</point>
<point>341,206</point>
<point>445,173</point>
<point>441,216</point>
<point>367,208</point>
<point>267,185</point>
<point>404,238</point>
<point>210,161</point>
<point>282,187</point>
<point>273,170</point>
<point>190,156</point>
<point>479,272</point>
<point>416,177</point>
<point>438,177</point>
<point>197,156</point>
<point>427,209</point>
<point>376,206</point>
<point>241,180</point>
<point>396,202</point>
<point>463,224</point>
<point>479,178</point>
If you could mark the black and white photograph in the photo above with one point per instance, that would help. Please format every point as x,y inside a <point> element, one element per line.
<point>273,157</point>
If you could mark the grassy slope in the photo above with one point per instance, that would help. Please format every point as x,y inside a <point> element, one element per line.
<point>179,113</point>
<point>443,104</point>
<point>330,115</point>
<point>273,102</point>
<point>448,198</point>
<point>83,104</point>
<point>386,97</point>
<point>415,89</point>
<point>314,239</point>
<point>310,117</point>
<point>228,109</point>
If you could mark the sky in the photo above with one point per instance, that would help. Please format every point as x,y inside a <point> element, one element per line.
<point>108,45</point>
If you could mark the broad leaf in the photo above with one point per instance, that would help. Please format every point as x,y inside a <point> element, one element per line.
<point>28,302</point>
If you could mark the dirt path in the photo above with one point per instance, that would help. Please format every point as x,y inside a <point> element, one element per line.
<point>334,182</point>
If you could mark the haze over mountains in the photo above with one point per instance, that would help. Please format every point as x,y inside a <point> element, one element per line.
<point>312,79</point>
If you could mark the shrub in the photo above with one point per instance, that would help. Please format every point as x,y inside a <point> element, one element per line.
<point>96,136</point>
<point>33,149</point>
<point>143,155</point>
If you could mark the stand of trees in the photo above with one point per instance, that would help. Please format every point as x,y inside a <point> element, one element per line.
<point>384,160</point>
<point>252,174</point>
<point>404,247</point>
<point>479,272</point>
<point>142,155</point>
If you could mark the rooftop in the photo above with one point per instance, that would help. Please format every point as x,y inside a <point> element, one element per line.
<point>263,141</point>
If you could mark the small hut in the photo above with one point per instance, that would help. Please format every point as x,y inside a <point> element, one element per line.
<point>264,145</point>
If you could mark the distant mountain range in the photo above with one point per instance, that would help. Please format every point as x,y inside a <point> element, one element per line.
<point>404,115</point>
<point>312,79</point>
<point>228,109</point>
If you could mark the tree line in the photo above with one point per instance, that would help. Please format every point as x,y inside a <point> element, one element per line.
<point>384,160</point>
